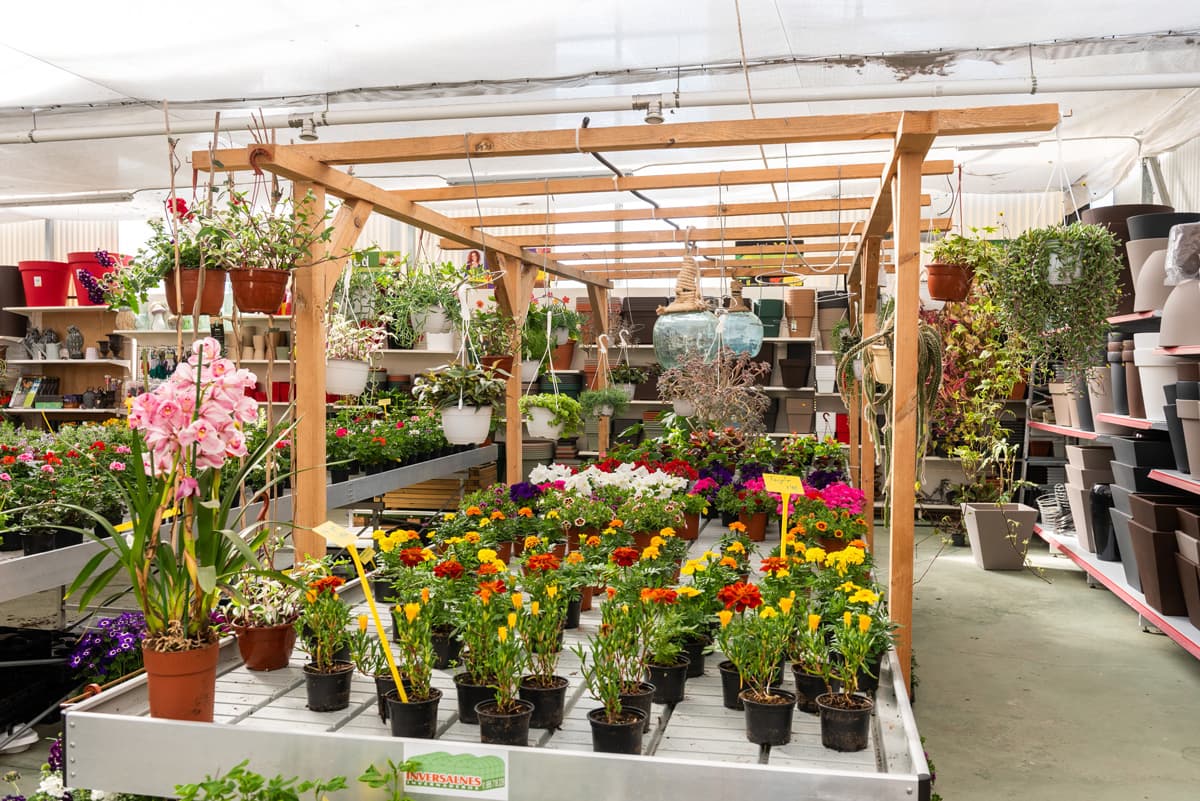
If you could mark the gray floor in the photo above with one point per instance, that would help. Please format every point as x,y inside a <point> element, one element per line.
<point>1033,690</point>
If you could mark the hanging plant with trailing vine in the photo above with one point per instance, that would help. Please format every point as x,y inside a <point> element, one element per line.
<point>1055,289</point>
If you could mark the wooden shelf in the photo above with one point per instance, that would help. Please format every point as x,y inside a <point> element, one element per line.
<point>31,310</point>
<point>77,362</point>
<point>25,410</point>
<point>1064,431</point>
<point>1112,576</point>
<point>1125,421</point>
<point>1177,479</point>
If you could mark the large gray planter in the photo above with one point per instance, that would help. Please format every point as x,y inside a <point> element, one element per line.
<point>999,533</point>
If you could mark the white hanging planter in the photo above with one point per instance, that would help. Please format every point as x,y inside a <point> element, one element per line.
<point>440,341</point>
<point>628,389</point>
<point>604,411</point>
<point>826,376</point>
<point>346,377</point>
<point>466,426</point>
<point>431,321</point>
<point>561,335</point>
<point>529,370</point>
<point>538,421</point>
<point>684,407</point>
<point>881,363</point>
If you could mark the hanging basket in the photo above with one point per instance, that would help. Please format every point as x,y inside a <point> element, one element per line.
<point>881,363</point>
<point>538,420</point>
<point>466,426</point>
<point>950,282</point>
<point>189,280</point>
<point>257,290</point>
<point>345,377</point>
<point>683,407</point>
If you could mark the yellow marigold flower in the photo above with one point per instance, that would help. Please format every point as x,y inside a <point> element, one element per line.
<point>574,558</point>
<point>472,537</point>
<point>552,514</point>
<point>484,522</point>
<point>405,536</point>
<point>455,540</point>
<point>424,595</point>
<point>474,511</point>
<point>724,616</point>
<point>518,600</point>
<point>789,538</point>
<point>657,541</point>
<point>767,612</point>
<point>525,511</point>
<point>427,555</point>
<point>499,564</point>
<point>485,555</point>
<point>498,515</point>
<point>512,620</point>
<point>608,532</point>
<point>378,534</point>
<point>362,623</point>
<point>846,618</point>
<point>502,633</point>
<point>735,547</point>
<point>650,552</point>
<point>532,541</point>
<point>864,596</point>
<point>689,567</point>
<point>688,591</point>
<point>449,516</point>
<point>551,590</point>
<point>864,623</point>
<point>814,621</point>
<point>785,605</point>
<point>737,525</point>
<point>387,544</point>
<point>709,555</point>
<point>782,573</point>
<point>535,608</point>
<point>855,556</point>
<point>666,531</point>
<point>411,611</point>
<point>310,596</point>
<point>848,586</point>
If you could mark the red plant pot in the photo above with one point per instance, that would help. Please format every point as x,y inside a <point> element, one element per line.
<point>45,282</point>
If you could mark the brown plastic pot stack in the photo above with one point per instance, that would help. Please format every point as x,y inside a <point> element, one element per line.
<point>1114,219</point>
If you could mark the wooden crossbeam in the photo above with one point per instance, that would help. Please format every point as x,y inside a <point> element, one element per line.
<point>677,212</point>
<point>698,234</point>
<point>619,268</point>
<point>673,136</point>
<point>629,183</point>
<point>287,162</point>
<point>677,252</point>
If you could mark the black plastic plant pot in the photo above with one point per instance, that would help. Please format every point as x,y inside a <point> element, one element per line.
<point>731,686</point>
<point>695,654</point>
<point>623,736</point>
<point>548,701</point>
<point>845,728</point>
<point>446,648</point>
<point>769,722</point>
<point>808,687</point>
<point>503,728</point>
<point>328,692</point>
<point>643,699</point>
<point>36,541</point>
<point>339,475</point>
<point>669,681</point>
<point>416,718</point>
<point>381,589</point>
<point>573,611</point>
<point>469,696</point>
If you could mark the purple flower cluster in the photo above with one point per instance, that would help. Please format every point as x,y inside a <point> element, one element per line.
<point>105,259</point>
<point>89,282</point>
<point>220,623</point>
<point>55,757</point>
<point>110,650</point>
<point>820,479</point>
<point>523,491</point>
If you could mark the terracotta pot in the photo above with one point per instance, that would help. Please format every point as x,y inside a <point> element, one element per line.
<point>214,291</point>
<point>585,598</point>
<point>562,356</point>
<point>691,527</point>
<point>182,684</point>
<point>266,647</point>
<point>949,281</point>
<point>257,290</point>
<point>642,540</point>
<point>501,364</point>
<point>756,526</point>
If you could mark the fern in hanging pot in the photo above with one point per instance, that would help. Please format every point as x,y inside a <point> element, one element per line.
<point>349,349</point>
<point>1055,289</point>
<point>605,402</point>
<point>465,397</point>
<point>551,416</point>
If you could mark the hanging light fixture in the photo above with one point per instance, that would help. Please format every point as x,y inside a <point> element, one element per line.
<point>739,329</point>
<point>687,326</point>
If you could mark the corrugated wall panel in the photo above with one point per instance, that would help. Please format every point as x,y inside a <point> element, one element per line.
<point>22,240</point>
<point>1181,170</point>
<point>84,235</point>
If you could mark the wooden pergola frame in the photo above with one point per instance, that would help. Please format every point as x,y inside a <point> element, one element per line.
<point>896,204</point>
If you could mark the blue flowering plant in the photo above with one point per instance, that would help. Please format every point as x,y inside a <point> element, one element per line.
<point>110,650</point>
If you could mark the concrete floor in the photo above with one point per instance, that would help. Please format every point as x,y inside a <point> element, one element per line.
<point>1032,690</point>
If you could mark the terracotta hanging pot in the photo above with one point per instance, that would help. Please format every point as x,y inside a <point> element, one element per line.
<point>182,684</point>
<point>210,302</point>
<point>257,290</point>
<point>949,281</point>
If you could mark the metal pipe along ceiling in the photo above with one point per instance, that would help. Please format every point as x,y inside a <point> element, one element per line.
<point>451,111</point>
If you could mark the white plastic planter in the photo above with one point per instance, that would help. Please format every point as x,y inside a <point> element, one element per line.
<point>881,363</point>
<point>561,335</point>
<point>432,321</point>
<point>628,389</point>
<point>345,377</point>
<point>684,408</point>
<point>440,341</point>
<point>826,376</point>
<point>529,370</point>
<point>466,426</point>
<point>604,411</point>
<point>1154,372</point>
<point>538,421</point>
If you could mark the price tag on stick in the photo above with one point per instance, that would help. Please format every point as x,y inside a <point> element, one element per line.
<point>786,486</point>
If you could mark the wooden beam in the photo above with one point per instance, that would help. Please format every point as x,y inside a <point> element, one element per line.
<point>869,303</point>
<point>284,160</point>
<point>917,132</point>
<point>672,136</point>
<point>311,288</point>
<point>348,225</point>
<point>729,264</point>
<point>697,234</point>
<point>675,212</point>
<point>670,252</point>
<point>598,297</point>
<point>629,183</point>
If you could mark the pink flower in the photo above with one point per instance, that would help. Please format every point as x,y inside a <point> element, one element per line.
<point>26,457</point>
<point>341,433</point>
<point>47,468</point>
<point>117,466</point>
<point>399,424</point>
<point>5,477</point>
<point>187,486</point>
<point>125,449</point>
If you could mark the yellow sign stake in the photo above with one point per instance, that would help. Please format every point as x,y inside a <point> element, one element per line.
<point>344,538</point>
<point>786,486</point>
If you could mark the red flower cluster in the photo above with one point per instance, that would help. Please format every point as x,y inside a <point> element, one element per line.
<point>740,596</point>
<point>489,588</point>
<point>330,583</point>
<point>411,557</point>
<point>624,557</point>
<point>488,569</point>
<point>542,561</point>
<point>773,564</point>
<point>98,445</point>
<point>659,595</point>
<point>178,208</point>
<point>450,569</point>
<point>678,467</point>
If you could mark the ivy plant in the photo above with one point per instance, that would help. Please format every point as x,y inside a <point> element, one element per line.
<point>565,411</point>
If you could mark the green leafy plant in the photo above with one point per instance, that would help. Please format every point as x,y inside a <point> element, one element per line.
<point>391,780</point>
<point>323,622</point>
<point>756,640</point>
<point>973,251</point>
<point>628,374</point>
<point>490,331</point>
<point>348,339</point>
<point>414,633</point>
<point>241,784</point>
<point>564,409</point>
<point>591,401</point>
<point>409,292</point>
<point>275,236</point>
<point>474,386</point>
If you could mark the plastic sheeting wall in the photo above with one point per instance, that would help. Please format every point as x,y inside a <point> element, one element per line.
<point>22,240</point>
<point>1181,172</point>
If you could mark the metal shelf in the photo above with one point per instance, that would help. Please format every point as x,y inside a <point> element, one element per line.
<point>1112,576</point>
<point>77,362</point>
<point>23,575</point>
<point>28,311</point>
<point>1180,350</point>
<point>1177,479</point>
<point>1125,421</point>
<point>1138,323</point>
<point>1064,431</point>
<point>59,410</point>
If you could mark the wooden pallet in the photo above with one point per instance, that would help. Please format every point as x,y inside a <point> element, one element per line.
<point>441,493</point>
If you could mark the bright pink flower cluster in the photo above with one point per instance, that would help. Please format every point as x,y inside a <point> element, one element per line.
<point>844,496</point>
<point>200,411</point>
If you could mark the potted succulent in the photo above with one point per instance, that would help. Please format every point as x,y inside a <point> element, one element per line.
<point>756,641</point>
<point>465,396</point>
<point>626,377</point>
<point>422,299</point>
<point>323,624</point>
<point>349,349</point>
<point>177,587</point>
<point>603,402</point>
<point>260,246</point>
<point>551,416</point>
<point>956,259</point>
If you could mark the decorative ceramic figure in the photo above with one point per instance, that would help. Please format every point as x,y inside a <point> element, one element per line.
<point>33,343</point>
<point>74,342</point>
<point>158,313</point>
<point>50,343</point>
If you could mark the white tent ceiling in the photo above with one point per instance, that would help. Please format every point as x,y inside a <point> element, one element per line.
<point>77,65</point>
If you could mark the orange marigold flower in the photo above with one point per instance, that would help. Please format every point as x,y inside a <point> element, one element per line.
<point>740,596</point>
<point>474,511</point>
<point>488,569</point>
<point>616,522</point>
<point>592,541</point>
<point>856,543</point>
<point>728,561</point>
<point>574,558</point>
<point>737,525</point>
<point>542,562</point>
<point>498,515</point>
<point>624,557</point>
<point>774,564</point>
<point>525,511</point>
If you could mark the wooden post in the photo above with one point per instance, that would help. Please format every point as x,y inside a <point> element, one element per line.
<point>598,297</point>
<point>512,296</point>
<point>311,290</point>
<point>870,304</point>
<point>904,417</point>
